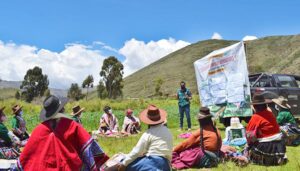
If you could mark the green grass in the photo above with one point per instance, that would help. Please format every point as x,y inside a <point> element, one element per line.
<point>7,93</point>
<point>115,145</point>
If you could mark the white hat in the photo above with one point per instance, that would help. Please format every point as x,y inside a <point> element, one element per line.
<point>235,123</point>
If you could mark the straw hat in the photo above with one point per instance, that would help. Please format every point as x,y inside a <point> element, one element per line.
<point>282,102</point>
<point>77,110</point>
<point>204,112</point>
<point>51,106</point>
<point>16,109</point>
<point>258,98</point>
<point>153,115</point>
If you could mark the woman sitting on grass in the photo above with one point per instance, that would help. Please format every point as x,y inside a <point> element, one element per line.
<point>287,121</point>
<point>108,123</point>
<point>8,148</point>
<point>131,124</point>
<point>266,146</point>
<point>202,148</point>
<point>153,152</point>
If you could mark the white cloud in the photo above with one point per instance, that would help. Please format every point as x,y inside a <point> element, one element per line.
<point>216,36</point>
<point>139,54</point>
<point>71,65</point>
<point>247,38</point>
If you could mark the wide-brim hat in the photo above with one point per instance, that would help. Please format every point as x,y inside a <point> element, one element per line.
<point>204,112</point>
<point>77,110</point>
<point>259,98</point>
<point>153,115</point>
<point>282,102</point>
<point>16,109</point>
<point>51,106</point>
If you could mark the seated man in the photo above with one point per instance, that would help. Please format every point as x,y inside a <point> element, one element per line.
<point>202,148</point>
<point>266,146</point>
<point>131,124</point>
<point>109,124</point>
<point>287,121</point>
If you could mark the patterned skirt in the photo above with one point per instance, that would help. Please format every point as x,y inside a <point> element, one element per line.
<point>291,134</point>
<point>268,153</point>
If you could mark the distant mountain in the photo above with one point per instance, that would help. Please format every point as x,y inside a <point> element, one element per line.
<point>275,54</point>
<point>9,88</point>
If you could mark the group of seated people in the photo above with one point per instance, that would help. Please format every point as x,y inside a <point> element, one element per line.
<point>11,141</point>
<point>72,148</point>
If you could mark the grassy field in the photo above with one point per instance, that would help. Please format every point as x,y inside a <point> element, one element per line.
<point>115,145</point>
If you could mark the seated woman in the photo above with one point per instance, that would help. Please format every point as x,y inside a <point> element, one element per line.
<point>202,148</point>
<point>235,134</point>
<point>154,150</point>
<point>76,114</point>
<point>287,121</point>
<point>19,123</point>
<point>108,123</point>
<point>266,146</point>
<point>131,124</point>
<point>8,149</point>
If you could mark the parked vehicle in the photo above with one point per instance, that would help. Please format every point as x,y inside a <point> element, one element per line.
<point>274,85</point>
<point>284,85</point>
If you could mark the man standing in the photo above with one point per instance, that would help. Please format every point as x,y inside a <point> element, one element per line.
<point>184,96</point>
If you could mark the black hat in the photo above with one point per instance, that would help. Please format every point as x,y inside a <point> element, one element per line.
<point>204,112</point>
<point>106,108</point>
<point>51,106</point>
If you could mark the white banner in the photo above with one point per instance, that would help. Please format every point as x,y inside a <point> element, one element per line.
<point>222,79</point>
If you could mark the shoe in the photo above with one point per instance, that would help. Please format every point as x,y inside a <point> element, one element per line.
<point>189,129</point>
<point>180,130</point>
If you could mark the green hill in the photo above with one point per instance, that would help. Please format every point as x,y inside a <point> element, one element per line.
<point>275,54</point>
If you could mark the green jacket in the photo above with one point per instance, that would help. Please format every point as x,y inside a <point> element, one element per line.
<point>284,117</point>
<point>76,119</point>
<point>4,135</point>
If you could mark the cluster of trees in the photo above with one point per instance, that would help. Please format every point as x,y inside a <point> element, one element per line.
<point>110,84</point>
<point>35,83</point>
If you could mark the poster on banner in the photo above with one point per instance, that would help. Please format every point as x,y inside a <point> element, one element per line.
<point>222,80</point>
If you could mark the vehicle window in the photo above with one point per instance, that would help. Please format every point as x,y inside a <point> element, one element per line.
<point>286,81</point>
<point>298,81</point>
<point>264,81</point>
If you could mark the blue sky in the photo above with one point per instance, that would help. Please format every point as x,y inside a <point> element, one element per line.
<point>52,24</point>
<point>132,30</point>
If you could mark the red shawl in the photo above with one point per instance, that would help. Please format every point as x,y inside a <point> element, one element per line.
<point>263,124</point>
<point>68,147</point>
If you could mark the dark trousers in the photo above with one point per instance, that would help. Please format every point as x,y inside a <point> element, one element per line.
<point>185,109</point>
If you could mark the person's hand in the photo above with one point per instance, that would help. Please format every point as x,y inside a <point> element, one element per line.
<point>121,167</point>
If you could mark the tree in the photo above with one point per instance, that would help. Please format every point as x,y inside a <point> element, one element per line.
<point>101,89</point>
<point>47,93</point>
<point>158,83</point>
<point>88,83</point>
<point>34,84</point>
<point>112,74</point>
<point>17,95</point>
<point>75,92</point>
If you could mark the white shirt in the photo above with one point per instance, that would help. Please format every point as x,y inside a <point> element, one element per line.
<point>156,141</point>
